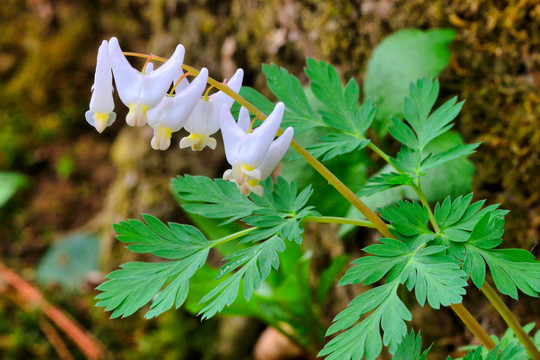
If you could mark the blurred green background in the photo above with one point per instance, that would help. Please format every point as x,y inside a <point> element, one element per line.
<point>76,181</point>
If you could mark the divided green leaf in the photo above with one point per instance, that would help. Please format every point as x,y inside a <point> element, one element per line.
<point>512,352</point>
<point>408,220</point>
<point>411,348</point>
<point>253,264</point>
<point>364,339</point>
<point>422,127</point>
<point>278,211</point>
<point>435,277</point>
<point>334,144</point>
<point>137,283</point>
<point>385,181</point>
<point>472,235</point>
<point>289,90</point>
<point>274,217</point>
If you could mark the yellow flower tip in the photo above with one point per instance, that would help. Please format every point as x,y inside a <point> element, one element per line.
<point>100,121</point>
<point>197,142</point>
<point>253,186</point>
<point>162,138</point>
<point>253,182</point>
<point>137,115</point>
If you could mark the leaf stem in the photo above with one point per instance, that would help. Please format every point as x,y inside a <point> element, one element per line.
<point>337,220</point>
<point>379,152</point>
<point>473,325</point>
<point>462,312</point>
<point>511,320</point>
<point>424,201</point>
<point>230,237</point>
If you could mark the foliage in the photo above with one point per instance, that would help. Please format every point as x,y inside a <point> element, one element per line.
<point>344,121</point>
<point>424,126</point>
<point>275,217</point>
<point>509,339</point>
<point>411,349</point>
<point>435,277</point>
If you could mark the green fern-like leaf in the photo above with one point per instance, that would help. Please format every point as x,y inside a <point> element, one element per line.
<point>137,283</point>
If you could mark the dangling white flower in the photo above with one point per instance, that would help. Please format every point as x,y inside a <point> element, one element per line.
<point>141,91</point>
<point>101,112</point>
<point>253,155</point>
<point>173,111</point>
<point>204,120</point>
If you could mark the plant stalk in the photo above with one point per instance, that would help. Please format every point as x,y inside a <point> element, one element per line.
<point>460,310</point>
<point>337,220</point>
<point>511,320</point>
<point>473,325</point>
<point>424,201</point>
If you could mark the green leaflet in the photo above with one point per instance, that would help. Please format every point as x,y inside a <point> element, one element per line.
<point>136,283</point>
<point>385,181</point>
<point>364,339</point>
<point>335,144</point>
<point>411,348</point>
<point>435,277</point>
<point>288,90</point>
<point>344,120</point>
<point>409,220</point>
<point>274,217</point>
<point>513,351</point>
<point>451,178</point>
<point>277,212</point>
<point>348,121</point>
<point>422,127</point>
<point>343,113</point>
<point>254,264</point>
<point>472,234</point>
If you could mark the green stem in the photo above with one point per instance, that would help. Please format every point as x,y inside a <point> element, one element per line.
<point>473,325</point>
<point>230,237</point>
<point>424,201</point>
<point>337,184</point>
<point>337,220</point>
<point>511,320</point>
<point>379,152</point>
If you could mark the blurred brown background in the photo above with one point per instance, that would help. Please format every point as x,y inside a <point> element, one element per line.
<point>80,179</point>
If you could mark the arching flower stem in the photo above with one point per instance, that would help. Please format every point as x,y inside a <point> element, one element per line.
<point>147,62</point>
<point>205,97</point>
<point>178,82</point>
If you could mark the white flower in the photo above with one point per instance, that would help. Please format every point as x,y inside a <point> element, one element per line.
<point>173,111</point>
<point>253,155</point>
<point>143,91</point>
<point>101,112</point>
<point>204,121</point>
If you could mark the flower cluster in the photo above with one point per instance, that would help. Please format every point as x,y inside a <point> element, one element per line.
<point>252,153</point>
